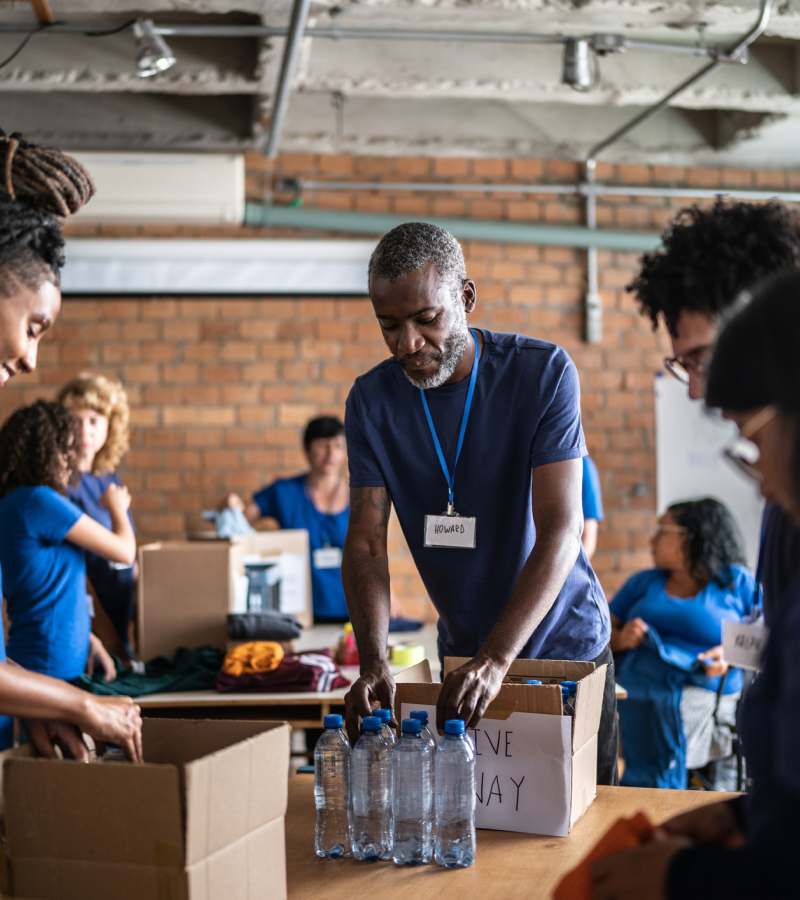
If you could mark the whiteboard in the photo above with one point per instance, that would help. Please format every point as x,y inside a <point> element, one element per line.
<point>689,462</point>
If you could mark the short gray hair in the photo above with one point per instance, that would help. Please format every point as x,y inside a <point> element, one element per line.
<point>412,246</point>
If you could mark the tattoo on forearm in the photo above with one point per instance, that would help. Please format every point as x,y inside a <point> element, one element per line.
<point>365,502</point>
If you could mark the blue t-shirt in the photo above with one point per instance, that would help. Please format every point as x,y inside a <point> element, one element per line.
<point>112,582</point>
<point>691,625</point>
<point>287,501</point>
<point>590,492</point>
<point>6,722</point>
<point>525,413</point>
<point>44,581</point>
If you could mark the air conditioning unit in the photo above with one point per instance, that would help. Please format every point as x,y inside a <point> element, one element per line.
<point>180,188</point>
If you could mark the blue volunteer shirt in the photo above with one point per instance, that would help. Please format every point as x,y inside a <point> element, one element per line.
<point>44,582</point>
<point>692,625</point>
<point>525,413</point>
<point>591,496</point>
<point>113,583</point>
<point>6,722</point>
<point>287,501</point>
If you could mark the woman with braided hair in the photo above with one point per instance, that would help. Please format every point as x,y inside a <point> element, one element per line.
<point>39,187</point>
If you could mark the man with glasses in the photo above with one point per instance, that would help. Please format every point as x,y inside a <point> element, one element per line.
<point>710,259</point>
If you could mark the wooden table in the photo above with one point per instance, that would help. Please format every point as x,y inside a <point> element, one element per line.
<point>507,865</point>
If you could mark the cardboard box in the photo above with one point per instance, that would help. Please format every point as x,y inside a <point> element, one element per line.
<point>202,819</point>
<point>187,588</point>
<point>536,769</point>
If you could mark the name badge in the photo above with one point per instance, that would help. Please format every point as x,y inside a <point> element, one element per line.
<point>327,558</point>
<point>743,644</point>
<point>450,531</point>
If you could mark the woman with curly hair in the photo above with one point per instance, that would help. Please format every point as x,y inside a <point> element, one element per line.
<point>38,188</point>
<point>664,622</point>
<point>101,408</point>
<point>42,539</point>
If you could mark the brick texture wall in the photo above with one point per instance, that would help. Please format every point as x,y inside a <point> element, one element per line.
<point>220,388</point>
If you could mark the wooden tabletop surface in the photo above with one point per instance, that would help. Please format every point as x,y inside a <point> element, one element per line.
<point>507,865</point>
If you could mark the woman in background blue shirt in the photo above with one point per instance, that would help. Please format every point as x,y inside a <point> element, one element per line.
<point>101,408</point>
<point>665,621</point>
<point>592,502</point>
<point>319,502</point>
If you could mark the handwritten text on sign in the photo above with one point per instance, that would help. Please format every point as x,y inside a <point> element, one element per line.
<point>743,644</point>
<point>522,771</point>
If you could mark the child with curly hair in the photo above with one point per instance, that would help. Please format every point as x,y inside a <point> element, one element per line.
<point>101,407</point>
<point>43,536</point>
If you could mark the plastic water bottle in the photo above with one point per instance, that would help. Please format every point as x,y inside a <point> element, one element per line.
<point>428,735</point>
<point>372,793</point>
<point>333,837</point>
<point>533,681</point>
<point>386,729</point>
<point>455,798</point>
<point>412,760</point>
<point>569,689</point>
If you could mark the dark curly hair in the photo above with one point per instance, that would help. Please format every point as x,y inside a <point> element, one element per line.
<point>711,255</point>
<point>713,541</point>
<point>38,187</point>
<point>36,443</point>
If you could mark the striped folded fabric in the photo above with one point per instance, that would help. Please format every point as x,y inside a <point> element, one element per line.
<point>313,670</point>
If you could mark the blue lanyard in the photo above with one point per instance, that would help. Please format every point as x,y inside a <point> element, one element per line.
<point>465,418</point>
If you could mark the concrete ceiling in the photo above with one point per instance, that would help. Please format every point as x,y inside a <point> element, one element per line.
<point>401,97</point>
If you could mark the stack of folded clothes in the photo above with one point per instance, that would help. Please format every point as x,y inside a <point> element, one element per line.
<point>263,666</point>
<point>267,625</point>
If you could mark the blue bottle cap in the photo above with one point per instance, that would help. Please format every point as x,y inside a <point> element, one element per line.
<point>421,714</point>
<point>564,691</point>
<point>571,685</point>
<point>371,723</point>
<point>332,721</point>
<point>533,681</point>
<point>383,714</point>
<point>412,726</point>
<point>454,726</point>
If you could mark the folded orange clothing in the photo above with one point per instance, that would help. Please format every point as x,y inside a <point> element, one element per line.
<point>623,835</point>
<point>253,658</point>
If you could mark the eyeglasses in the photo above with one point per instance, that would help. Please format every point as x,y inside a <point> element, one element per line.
<point>747,462</point>
<point>669,529</point>
<point>683,367</point>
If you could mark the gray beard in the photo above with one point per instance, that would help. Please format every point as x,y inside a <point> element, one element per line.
<point>454,349</point>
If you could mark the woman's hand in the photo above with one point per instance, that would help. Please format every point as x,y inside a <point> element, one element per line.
<point>116,499</point>
<point>100,658</point>
<point>637,874</point>
<point>713,661</point>
<point>233,501</point>
<point>712,824</point>
<point>48,734</point>
<point>631,634</point>
<point>115,720</point>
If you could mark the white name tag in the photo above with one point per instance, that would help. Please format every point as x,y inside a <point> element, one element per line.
<point>743,645</point>
<point>327,558</point>
<point>450,531</point>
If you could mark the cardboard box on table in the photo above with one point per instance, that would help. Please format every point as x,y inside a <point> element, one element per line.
<point>202,819</point>
<point>187,588</point>
<point>536,769</point>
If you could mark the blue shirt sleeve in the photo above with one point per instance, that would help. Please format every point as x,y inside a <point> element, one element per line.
<point>365,471</point>
<point>559,435</point>
<point>50,515</point>
<point>591,495</point>
<point>267,501</point>
<point>633,589</point>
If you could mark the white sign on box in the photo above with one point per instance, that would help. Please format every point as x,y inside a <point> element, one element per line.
<point>743,643</point>
<point>515,789</point>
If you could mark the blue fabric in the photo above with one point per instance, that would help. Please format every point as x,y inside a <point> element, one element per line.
<point>6,722</point>
<point>525,413</point>
<point>287,501</point>
<point>44,583</point>
<point>689,626</point>
<point>778,558</point>
<point>590,493</point>
<point>114,586</point>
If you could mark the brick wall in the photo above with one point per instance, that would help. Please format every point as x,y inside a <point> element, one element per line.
<point>220,388</point>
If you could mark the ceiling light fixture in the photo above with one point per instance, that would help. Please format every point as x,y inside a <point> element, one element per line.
<point>577,72</point>
<point>152,53</point>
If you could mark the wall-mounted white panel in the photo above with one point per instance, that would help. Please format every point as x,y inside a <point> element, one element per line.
<point>107,267</point>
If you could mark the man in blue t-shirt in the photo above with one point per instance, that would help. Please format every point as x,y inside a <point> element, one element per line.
<point>592,502</point>
<point>476,438</point>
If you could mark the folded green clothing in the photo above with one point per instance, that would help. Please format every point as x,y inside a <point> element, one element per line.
<point>188,670</point>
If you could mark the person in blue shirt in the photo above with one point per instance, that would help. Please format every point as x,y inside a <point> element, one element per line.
<point>592,502</point>
<point>318,501</point>
<point>665,621</point>
<point>746,848</point>
<point>476,439</point>
<point>101,407</point>
<point>43,536</point>
<point>41,183</point>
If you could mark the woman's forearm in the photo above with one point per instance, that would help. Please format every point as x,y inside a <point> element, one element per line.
<point>34,696</point>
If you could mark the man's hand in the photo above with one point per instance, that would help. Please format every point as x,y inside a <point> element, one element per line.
<point>713,661</point>
<point>376,685</point>
<point>115,720</point>
<point>100,658</point>
<point>631,634</point>
<point>637,874</point>
<point>47,734</point>
<point>713,824</point>
<point>468,690</point>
